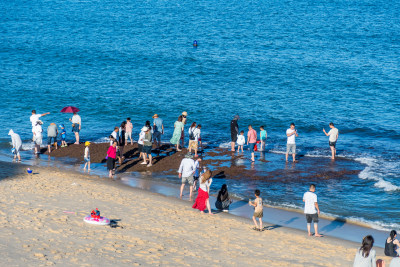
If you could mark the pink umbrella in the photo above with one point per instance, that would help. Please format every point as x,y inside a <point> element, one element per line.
<point>70,109</point>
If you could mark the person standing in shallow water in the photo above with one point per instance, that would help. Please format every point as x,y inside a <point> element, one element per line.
<point>16,143</point>
<point>291,134</point>
<point>251,140</point>
<point>35,117</point>
<point>333,137</point>
<point>234,131</point>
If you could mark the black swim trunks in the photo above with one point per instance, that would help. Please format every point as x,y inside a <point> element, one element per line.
<point>312,218</point>
<point>233,137</point>
<point>332,143</point>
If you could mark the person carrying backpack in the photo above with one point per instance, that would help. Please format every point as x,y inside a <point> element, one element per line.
<point>194,134</point>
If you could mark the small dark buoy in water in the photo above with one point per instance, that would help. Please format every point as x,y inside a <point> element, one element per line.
<point>194,43</point>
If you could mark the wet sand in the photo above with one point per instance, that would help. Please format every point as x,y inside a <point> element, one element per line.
<point>152,229</point>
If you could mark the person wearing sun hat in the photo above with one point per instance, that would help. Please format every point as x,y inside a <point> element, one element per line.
<point>158,130</point>
<point>86,156</point>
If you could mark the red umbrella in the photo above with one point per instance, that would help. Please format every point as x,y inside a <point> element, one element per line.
<point>70,109</point>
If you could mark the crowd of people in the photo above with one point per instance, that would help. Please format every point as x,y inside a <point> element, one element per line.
<point>237,138</point>
<point>191,172</point>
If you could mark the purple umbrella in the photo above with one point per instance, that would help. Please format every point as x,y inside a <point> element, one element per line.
<point>70,109</point>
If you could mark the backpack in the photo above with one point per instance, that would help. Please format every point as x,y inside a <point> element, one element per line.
<point>191,134</point>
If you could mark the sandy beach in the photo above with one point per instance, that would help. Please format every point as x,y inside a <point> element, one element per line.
<point>152,229</point>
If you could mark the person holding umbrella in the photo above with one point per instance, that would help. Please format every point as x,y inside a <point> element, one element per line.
<point>76,121</point>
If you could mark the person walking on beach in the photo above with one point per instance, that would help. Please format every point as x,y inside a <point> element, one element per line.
<point>147,146</point>
<point>263,137</point>
<point>234,131</point>
<point>176,136</point>
<point>186,172</point>
<point>86,156</point>
<point>111,157</point>
<point>76,126</point>
<point>311,210</point>
<point>16,143</point>
<point>291,134</point>
<point>35,117</point>
<point>128,130</point>
<point>333,137</point>
<point>184,119</point>
<point>366,256</point>
<point>258,210</point>
<point>203,199</point>
<point>158,130</point>
<point>251,141</point>
<point>194,134</point>
<point>37,136</point>
<point>52,133</point>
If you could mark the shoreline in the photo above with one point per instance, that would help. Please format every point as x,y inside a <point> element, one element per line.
<point>343,228</point>
<point>213,157</point>
<point>141,236</point>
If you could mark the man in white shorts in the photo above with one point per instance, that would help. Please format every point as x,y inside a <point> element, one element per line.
<point>291,134</point>
<point>311,210</point>
<point>333,137</point>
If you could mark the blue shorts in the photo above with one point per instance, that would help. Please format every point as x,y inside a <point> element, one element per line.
<point>51,138</point>
<point>157,136</point>
<point>251,146</point>
<point>75,128</point>
<point>87,159</point>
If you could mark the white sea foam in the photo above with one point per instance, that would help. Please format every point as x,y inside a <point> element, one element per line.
<point>387,186</point>
<point>31,146</point>
<point>225,145</point>
<point>373,171</point>
<point>101,140</point>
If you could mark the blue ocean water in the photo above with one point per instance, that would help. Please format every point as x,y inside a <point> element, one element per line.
<point>275,62</point>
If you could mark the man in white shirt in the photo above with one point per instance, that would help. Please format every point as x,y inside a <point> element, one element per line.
<point>186,172</point>
<point>291,134</point>
<point>35,117</point>
<point>311,210</point>
<point>333,137</point>
<point>76,126</point>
